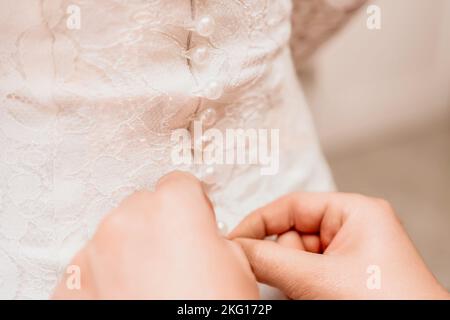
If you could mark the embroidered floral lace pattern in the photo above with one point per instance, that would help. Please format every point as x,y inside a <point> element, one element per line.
<point>314,21</point>
<point>86,116</point>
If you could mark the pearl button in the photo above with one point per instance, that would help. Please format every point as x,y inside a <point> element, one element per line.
<point>205,26</point>
<point>208,117</point>
<point>200,55</point>
<point>223,228</point>
<point>208,175</point>
<point>213,91</point>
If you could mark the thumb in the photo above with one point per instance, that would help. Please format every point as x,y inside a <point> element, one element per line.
<point>298,274</point>
<point>192,208</point>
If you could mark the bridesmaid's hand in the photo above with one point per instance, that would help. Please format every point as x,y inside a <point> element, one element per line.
<point>162,245</point>
<point>335,246</point>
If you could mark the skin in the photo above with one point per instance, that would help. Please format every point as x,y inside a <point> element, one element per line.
<point>326,243</point>
<point>165,245</point>
<point>162,245</point>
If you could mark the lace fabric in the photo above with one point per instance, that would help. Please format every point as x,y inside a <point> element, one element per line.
<point>315,21</point>
<point>86,116</point>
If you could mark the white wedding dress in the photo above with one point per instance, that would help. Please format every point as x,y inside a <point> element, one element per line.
<point>86,113</point>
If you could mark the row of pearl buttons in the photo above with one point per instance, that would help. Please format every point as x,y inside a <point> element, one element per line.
<point>199,56</point>
<point>205,27</point>
<point>208,175</point>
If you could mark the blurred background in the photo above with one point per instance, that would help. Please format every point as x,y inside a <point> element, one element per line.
<point>381,103</point>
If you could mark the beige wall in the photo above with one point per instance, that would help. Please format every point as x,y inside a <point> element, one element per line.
<point>382,107</point>
<point>372,84</point>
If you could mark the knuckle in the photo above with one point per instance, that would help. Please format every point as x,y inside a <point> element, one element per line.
<point>172,184</point>
<point>384,205</point>
<point>378,207</point>
<point>386,209</point>
<point>352,199</point>
<point>357,197</point>
<point>355,204</point>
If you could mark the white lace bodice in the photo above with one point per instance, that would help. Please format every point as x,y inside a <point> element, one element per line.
<point>86,116</point>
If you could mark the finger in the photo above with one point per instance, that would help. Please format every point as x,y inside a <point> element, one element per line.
<point>294,272</point>
<point>184,197</point>
<point>304,212</point>
<point>178,187</point>
<point>291,239</point>
<point>312,243</point>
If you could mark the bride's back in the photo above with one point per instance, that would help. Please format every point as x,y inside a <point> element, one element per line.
<point>90,92</point>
